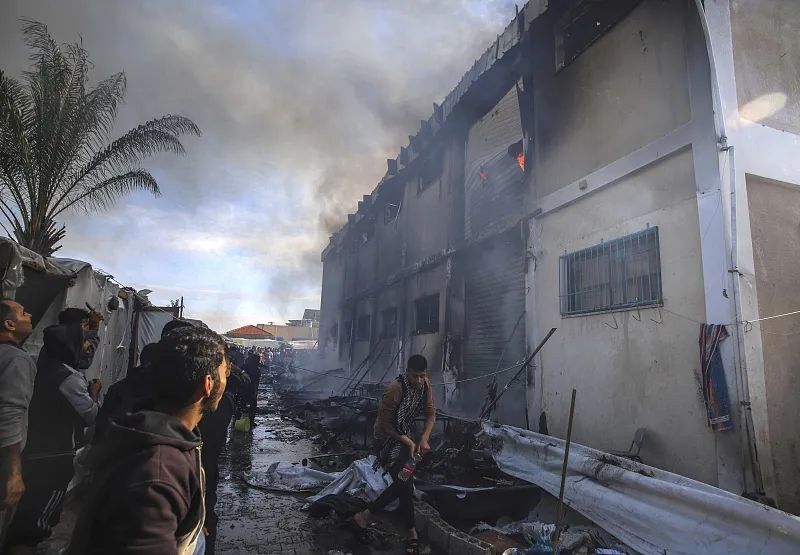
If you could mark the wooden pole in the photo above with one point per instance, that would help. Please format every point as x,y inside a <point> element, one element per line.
<point>560,510</point>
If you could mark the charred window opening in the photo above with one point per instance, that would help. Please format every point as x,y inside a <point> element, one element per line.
<point>430,170</point>
<point>427,313</point>
<point>368,230</point>
<point>347,330</point>
<point>363,328</point>
<point>390,212</point>
<point>581,26</point>
<point>517,152</point>
<point>615,275</point>
<point>389,322</point>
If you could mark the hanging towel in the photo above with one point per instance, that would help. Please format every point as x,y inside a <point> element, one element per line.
<point>715,388</point>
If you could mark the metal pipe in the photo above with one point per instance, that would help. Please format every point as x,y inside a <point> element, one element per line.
<point>560,510</point>
<point>740,359</point>
<point>524,367</point>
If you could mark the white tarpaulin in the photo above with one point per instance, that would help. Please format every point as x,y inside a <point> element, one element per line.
<point>651,510</point>
<point>151,322</point>
<point>289,477</point>
<point>358,480</point>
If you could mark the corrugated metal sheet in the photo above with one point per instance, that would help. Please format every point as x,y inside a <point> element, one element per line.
<point>493,179</point>
<point>494,298</point>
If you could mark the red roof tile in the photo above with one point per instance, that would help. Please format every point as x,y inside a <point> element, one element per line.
<point>249,332</point>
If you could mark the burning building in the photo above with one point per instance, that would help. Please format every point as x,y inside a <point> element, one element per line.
<point>621,170</point>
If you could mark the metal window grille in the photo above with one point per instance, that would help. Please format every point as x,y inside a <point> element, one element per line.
<point>615,275</point>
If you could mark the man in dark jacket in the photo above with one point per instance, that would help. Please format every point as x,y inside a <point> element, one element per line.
<point>252,367</point>
<point>134,392</point>
<point>90,322</point>
<point>214,430</point>
<point>64,404</point>
<point>147,492</point>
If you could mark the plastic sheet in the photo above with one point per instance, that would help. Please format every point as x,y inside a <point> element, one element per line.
<point>651,510</point>
<point>358,480</point>
<point>289,477</point>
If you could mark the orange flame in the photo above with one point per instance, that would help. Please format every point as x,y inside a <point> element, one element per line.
<point>521,160</point>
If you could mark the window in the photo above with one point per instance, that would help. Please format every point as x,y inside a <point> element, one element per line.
<point>389,322</point>
<point>368,230</point>
<point>615,275</point>
<point>429,171</point>
<point>390,213</point>
<point>427,310</point>
<point>584,24</point>
<point>363,328</point>
<point>347,331</point>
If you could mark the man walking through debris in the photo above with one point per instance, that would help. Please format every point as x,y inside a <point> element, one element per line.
<point>17,375</point>
<point>63,405</point>
<point>403,400</point>
<point>147,492</point>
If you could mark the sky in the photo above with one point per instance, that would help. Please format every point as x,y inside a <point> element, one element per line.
<point>300,103</point>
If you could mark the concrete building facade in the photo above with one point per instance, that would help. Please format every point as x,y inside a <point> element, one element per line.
<point>622,171</point>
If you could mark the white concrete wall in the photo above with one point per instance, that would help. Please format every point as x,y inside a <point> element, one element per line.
<point>755,48</point>
<point>766,49</point>
<point>637,368</point>
<point>775,221</point>
<point>626,90</point>
<point>625,138</point>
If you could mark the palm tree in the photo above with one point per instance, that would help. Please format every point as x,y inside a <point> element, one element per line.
<point>56,152</point>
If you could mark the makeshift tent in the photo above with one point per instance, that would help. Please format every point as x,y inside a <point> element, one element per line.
<point>46,286</point>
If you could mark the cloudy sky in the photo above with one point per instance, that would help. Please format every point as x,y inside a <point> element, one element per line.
<point>300,102</point>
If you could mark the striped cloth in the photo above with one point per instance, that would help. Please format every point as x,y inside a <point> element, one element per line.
<point>410,407</point>
<point>715,387</point>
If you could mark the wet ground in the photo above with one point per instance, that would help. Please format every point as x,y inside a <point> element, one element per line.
<point>257,521</point>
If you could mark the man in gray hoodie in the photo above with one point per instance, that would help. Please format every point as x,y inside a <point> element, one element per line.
<point>17,374</point>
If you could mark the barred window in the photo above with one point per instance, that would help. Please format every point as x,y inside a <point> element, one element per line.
<point>614,275</point>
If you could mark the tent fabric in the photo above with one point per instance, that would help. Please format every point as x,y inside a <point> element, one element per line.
<point>289,477</point>
<point>651,510</point>
<point>150,325</point>
<point>359,480</point>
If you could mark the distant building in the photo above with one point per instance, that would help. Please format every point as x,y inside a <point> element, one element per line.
<point>249,332</point>
<point>305,328</point>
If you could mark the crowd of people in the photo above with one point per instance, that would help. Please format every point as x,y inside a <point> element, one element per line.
<point>154,441</point>
<point>151,480</point>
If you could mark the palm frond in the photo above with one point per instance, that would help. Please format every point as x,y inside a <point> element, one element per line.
<point>56,151</point>
<point>105,193</point>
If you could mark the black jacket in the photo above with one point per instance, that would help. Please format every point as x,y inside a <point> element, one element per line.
<point>146,494</point>
<point>61,407</point>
